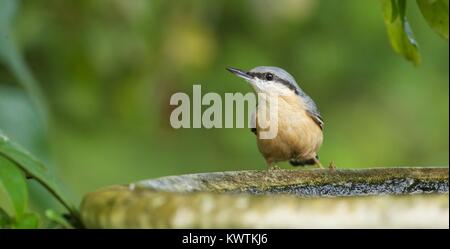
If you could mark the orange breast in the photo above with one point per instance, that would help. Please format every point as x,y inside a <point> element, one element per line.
<point>298,136</point>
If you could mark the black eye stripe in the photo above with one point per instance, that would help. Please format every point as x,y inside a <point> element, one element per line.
<point>288,84</point>
<point>262,76</point>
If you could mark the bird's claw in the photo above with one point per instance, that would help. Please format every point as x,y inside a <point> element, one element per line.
<point>274,167</point>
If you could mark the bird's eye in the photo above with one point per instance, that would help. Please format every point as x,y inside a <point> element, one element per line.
<point>269,76</point>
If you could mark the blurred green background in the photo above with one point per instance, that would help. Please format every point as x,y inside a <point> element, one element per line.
<point>107,70</point>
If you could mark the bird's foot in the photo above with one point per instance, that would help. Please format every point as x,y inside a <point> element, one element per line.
<point>273,167</point>
<point>317,163</point>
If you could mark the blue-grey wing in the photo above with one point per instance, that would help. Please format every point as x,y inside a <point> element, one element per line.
<point>317,119</point>
<point>312,110</point>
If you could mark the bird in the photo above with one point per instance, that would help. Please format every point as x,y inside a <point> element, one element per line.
<point>300,124</point>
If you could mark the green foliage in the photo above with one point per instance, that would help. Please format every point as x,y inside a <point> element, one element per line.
<point>8,10</point>
<point>5,219</point>
<point>15,185</point>
<point>32,167</point>
<point>29,220</point>
<point>10,55</point>
<point>14,159</point>
<point>400,34</point>
<point>399,30</point>
<point>57,219</point>
<point>435,13</point>
<point>13,180</point>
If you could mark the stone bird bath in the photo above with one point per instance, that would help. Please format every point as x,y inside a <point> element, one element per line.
<point>370,198</point>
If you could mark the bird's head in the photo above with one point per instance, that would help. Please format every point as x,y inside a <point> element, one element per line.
<point>269,80</point>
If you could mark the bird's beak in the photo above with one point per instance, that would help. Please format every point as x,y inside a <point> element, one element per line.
<point>240,73</point>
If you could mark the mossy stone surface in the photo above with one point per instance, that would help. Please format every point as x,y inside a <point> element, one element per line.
<point>310,182</point>
<point>246,199</point>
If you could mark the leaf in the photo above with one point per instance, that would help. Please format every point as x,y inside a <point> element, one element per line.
<point>15,185</point>
<point>29,220</point>
<point>435,13</point>
<point>394,12</point>
<point>5,220</point>
<point>33,168</point>
<point>400,34</point>
<point>11,56</point>
<point>401,5</point>
<point>57,218</point>
<point>8,10</point>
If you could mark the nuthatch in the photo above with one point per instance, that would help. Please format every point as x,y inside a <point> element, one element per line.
<point>300,124</point>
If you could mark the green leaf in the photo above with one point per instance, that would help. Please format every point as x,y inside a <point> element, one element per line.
<point>435,13</point>
<point>394,12</point>
<point>29,220</point>
<point>11,56</point>
<point>57,218</point>
<point>35,169</point>
<point>401,5</point>
<point>5,219</point>
<point>8,10</point>
<point>400,34</point>
<point>15,185</point>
